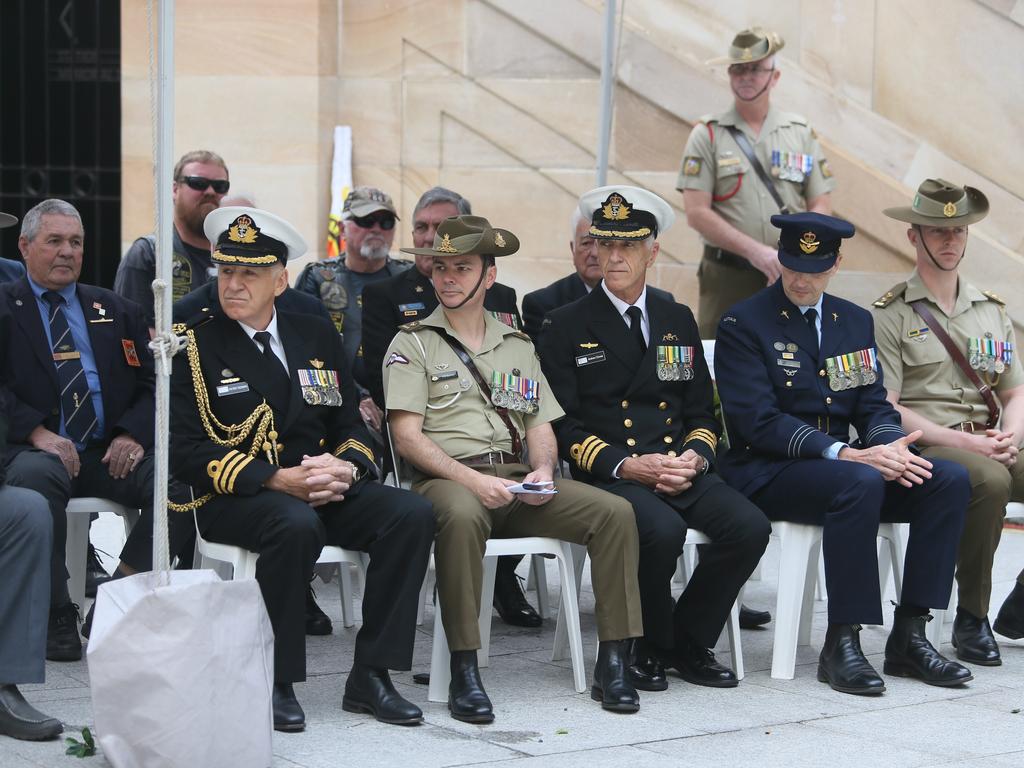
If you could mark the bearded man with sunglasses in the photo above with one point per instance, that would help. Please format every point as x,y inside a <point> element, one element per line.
<point>369,218</point>
<point>740,168</point>
<point>200,183</point>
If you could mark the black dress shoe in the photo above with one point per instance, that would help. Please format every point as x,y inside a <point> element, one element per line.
<point>509,598</point>
<point>1010,620</point>
<point>20,720</point>
<point>95,573</point>
<point>698,665</point>
<point>317,622</point>
<point>467,699</point>
<point>973,640</point>
<point>370,690</point>
<point>288,715</point>
<point>751,619</point>
<point>909,654</point>
<point>842,665</point>
<point>646,672</point>
<point>612,686</point>
<point>62,640</point>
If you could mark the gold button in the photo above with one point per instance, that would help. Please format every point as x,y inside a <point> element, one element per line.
<point>280,447</point>
<point>627,423</point>
<point>668,420</point>
<point>828,401</point>
<point>625,403</point>
<point>662,405</point>
<point>671,453</point>
<point>636,455</point>
<point>323,442</point>
<point>789,383</point>
<point>821,372</point>
<point>631,442</point>
<point>667,439</point>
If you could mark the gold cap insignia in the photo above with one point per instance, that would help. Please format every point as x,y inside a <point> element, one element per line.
<point>809,242</point>
<point>499,240</point>
<point>588,345</point>
<point>746,54</point>
<point>949,209</point>
<point>616,209</point>
<point>446,245</point>
<point>316,363</point>
<point>243,230</point>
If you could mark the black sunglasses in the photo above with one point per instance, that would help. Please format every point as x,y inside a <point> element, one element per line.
<point>385,220</point>
<point>201,184</point>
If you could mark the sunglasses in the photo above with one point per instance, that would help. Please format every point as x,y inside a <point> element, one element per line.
<point>201,184</point>
<point>385,220</point>
<point>739,70</point>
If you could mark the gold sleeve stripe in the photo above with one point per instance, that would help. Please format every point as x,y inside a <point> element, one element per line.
<point>578,449</point>
<point>227,467</point>
<point>215,468</point>
<point>355,445</point>
<point>590,454</point>
<point>232,472</point>
<point>704,435</point>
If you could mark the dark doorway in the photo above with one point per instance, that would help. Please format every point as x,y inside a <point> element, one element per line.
<point>60,119</point>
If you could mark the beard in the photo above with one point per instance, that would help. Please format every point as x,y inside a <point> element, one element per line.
<point>192,217</point>
<point>377,252</point>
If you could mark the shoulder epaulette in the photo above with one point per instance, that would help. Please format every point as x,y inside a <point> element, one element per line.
<point>521,335</point>
<point>707,119</point>
<point>415,325</point>
<point>179,328</point>
<point>994,297</point>
<point>890,296</point>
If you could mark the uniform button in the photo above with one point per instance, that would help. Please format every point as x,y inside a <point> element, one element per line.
<point>662,405</point>
<point>636,455</point>
<point>625,403</point>
<point>821,372</point>
<point>828,401</point>
<point>668,420</point>
<point>627,423</point>
<point>631,442</point>
<point>667,439</point>
<point>323,442</point>
<point>280,447</point>
<point>789,383</point>
<point>672,453</point>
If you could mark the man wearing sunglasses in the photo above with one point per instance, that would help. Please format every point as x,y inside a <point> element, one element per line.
<point>200,183</point>
<point>369,219</point>
<point>742,166</point>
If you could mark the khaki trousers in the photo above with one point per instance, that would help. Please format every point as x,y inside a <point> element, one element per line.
<point>721,286</point>
<point>578,513</point>
<point>992,487</point>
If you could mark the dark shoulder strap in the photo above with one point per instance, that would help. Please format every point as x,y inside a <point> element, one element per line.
<point>463,355</point>
<point>984,389</point>
<point>744,145</point>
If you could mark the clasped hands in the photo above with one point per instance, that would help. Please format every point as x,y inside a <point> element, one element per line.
<point>317,480</point>
<point>670,475</point>
<point>894,460</point>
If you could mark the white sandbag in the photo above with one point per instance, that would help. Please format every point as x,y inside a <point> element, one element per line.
<point>181,667</point>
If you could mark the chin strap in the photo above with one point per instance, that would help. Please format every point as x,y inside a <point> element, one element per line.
<point>471,293</point>
<point>756,96</point>
<point>927,250</point>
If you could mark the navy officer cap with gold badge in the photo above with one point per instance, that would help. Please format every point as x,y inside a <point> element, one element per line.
<point>620,212</point>
<point>251,237</point>
<point>809,242</point>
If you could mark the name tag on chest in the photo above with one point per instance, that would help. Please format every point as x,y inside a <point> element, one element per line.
<point>593,357</point>
<point>232,389</point>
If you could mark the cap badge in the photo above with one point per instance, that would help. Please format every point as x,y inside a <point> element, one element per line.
<point>446,245</point>
<point>499,240</point>
<point>949,209</point>
<point>243,230</point>
<point>809,242</point>
<point>746,55</point>
<point>615,208</point>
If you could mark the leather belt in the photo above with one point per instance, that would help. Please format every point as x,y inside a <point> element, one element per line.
<point>970,426</point>
<point>727,258</point>
<point>490,459</point>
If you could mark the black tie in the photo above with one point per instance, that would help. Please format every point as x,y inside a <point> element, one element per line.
<point>635,318</point>
<point>810,316</point>
<point>280,382</point>
<point>75,397</point>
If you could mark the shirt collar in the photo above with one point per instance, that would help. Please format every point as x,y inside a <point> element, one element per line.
<point>271,328</point>
<point>621,306</point>
<point>816,306</point>
<point>68,292</point>
<point>494,329</point>
<point>966,294</point>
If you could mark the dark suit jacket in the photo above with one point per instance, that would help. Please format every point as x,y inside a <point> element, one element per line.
<point>404,298</point>
<point>235,378</point>
<point>11,270</point>
<point>27,366</point>
<point>205,298</point>
<point>777,414</point>
<point>615,404</point>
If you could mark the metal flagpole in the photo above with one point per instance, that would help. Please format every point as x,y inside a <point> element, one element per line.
<point>607,56</point>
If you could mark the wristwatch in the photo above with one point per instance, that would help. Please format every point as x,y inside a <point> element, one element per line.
<point>356,474</point>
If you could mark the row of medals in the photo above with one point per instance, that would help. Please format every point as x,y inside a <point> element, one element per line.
<point>840,380</point>
<point>514,401</point>
<point>675,372</point>
<point>980,362</point>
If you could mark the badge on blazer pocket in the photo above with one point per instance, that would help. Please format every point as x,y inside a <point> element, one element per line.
<point>591,358</point>
<point>232,389</point>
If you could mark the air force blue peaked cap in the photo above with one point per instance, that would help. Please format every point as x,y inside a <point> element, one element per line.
<point>809,242</point>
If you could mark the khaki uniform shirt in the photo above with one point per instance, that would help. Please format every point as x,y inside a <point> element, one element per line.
<point>422,374</point>
<point>714,163</point>
<point>915,364</point>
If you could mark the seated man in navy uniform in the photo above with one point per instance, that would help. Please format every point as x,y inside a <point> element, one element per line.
<point>9,268</point>
<point>628,368</point>
<point>265,426</point>
<point>796,369</point>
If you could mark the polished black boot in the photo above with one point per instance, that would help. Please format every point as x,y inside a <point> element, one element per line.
<point>751,619</point>
<point>909,654</point>
<point>842,664</point>
<point>973,640</point>
<point>1010,620</point>
<point>288,715</point>
<point>467,699</point>
<point>698,665</point>
<point>612,686</point>
<point>95,573</point>
<point>646,672</point>
<point>509,598</point>
<point>62,640</point>
<point>20,720</point>
<point>317,622</point>
<point>369,689</point>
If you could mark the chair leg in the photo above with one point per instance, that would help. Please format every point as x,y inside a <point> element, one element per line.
<point>570,610</point>
<point>735,641</point>
<point>815,573</point>
<point>440,660</point>
<point>345,588</point>
<point>795,561</point>
<point>75,550</point>
<point>560,648</point>
<point>820,590</point>
<point>486,601</point>
<point>539,577</point>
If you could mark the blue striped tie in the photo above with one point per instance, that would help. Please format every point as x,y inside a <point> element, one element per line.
<point>75,397</point>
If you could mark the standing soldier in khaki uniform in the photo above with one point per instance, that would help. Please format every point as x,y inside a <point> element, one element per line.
<point>741,167</point>
<point>465,396</point>
<point>950,362</point>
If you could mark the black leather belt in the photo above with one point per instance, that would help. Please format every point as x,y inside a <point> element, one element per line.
<point>489,459</point>
<point>727,258</point>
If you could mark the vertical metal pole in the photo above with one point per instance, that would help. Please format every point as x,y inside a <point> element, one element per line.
<point>607,56</point>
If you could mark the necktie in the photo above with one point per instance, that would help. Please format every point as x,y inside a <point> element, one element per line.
<point>635,326</point>
<point>280,381</point>
<point>75,398</point>
<point>810,316</point>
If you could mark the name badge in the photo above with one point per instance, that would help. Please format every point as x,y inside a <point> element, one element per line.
<point>411,308</point>
<point>444,376</point>
<point>60,356</point>
<point>593,357</point>
<point>232,389</point>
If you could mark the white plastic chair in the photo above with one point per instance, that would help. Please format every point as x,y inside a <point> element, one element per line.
<point>78,512</point>
<point>798,569</point>
<point>568,616</point>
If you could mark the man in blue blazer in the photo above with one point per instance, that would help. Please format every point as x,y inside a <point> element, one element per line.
<point>796,369</point>
<point>80,375</point>
<point>9,268</point>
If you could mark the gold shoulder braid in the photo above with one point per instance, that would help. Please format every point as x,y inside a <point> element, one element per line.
<point>259,424</point>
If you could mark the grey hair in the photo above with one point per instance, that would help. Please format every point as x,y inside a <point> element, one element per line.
<point>52,207</point>
<point>574,222</point>
<point>436,195</point>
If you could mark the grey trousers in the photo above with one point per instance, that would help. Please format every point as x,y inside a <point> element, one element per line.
<point>26,538</point>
